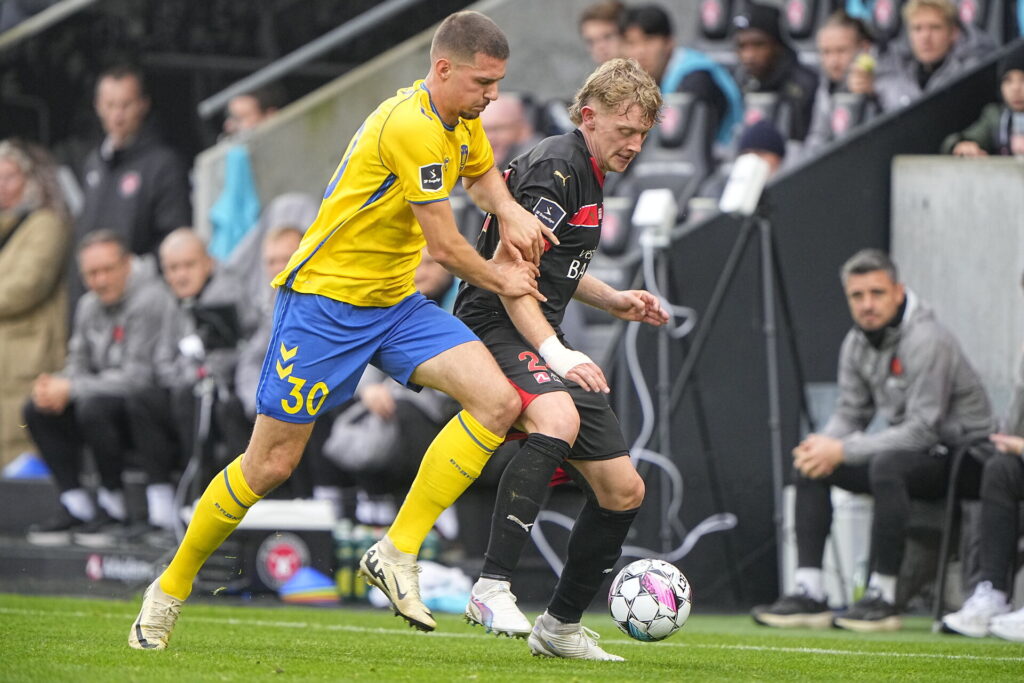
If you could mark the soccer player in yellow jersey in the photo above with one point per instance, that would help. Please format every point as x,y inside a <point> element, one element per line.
<point>347,299</point>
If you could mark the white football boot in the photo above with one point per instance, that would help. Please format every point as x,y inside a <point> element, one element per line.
<point>494,608</point>
<point>567,641</point>
<point>159,613</point>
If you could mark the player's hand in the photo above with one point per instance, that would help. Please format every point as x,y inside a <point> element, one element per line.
<point>638,305</point>
<point>589,376</point>
<point>517,278</point>
<point>966,148</point>
<point>1008,443</point>
<point>378,400</point>
<point>523,234</point>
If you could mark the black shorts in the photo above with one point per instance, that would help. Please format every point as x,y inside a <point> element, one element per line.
<point>600,437</point>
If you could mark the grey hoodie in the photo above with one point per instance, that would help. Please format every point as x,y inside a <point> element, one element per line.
<point>919,380</point>
<point>111,348</point>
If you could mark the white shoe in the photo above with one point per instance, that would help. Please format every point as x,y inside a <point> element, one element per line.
<point>580,643</point>
<point>1008,626</point>
<point>495,609</point>
<point>400,582</point>
<point>152,628</point>
<point>974,617</point>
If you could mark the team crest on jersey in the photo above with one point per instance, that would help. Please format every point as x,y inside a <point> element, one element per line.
<point>549,212</point>
<point>431,177</point>
<point>463,157</point>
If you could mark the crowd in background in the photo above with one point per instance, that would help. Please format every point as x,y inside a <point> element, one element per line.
<point>126,336</point>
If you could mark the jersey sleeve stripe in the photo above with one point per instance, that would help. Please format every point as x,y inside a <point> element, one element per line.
<point>430,201</point>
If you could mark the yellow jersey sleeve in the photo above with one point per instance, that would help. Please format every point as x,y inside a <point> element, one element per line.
<point>414,149</point>
<point>481,156</point>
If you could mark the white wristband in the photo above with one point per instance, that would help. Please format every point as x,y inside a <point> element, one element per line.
<point>559,358</point>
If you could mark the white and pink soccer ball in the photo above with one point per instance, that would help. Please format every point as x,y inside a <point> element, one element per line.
<point>649,600</point>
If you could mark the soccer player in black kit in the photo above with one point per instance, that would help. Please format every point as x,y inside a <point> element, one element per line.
<point>566,414</point>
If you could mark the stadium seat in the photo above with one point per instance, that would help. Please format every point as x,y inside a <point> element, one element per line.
<point>802,18</point>
<point>988,15</point>
<point>886,20</point>
<point>768,106</point>
<point>850,110</point>
<point>716,18</point>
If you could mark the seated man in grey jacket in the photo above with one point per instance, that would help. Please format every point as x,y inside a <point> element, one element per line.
<point>938,48</point>
<point>898,362</point>
<point>198,336</point>
<point>115,330</point>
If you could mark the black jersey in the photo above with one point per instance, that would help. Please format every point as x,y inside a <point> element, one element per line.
<point>560,183</point>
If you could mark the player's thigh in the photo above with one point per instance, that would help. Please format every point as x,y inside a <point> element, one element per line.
<point>615,482</point>
<point>318,350</point>
<point>469,374</point>
<point>553,414</point>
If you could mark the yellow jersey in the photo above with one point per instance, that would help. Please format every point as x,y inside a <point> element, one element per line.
<point>364,246</point>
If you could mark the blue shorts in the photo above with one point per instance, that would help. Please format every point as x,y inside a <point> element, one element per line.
<point>319,348</point>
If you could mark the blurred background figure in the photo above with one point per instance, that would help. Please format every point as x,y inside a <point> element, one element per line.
<point>248,110</point>
<point>509,128</point>
<point>601,30</point>
<point>35,237</point>
<point>1000,128</point>
<point>842,41</point>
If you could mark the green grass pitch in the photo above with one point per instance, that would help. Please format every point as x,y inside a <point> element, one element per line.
<point>67,639</point>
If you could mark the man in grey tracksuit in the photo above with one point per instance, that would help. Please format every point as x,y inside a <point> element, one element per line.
<point>115,332</point>
<point>900,363</point>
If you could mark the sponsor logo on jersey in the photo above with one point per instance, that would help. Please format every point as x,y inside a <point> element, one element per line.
<point>588,216</point>
<point>549,212</point>
<point>431,177</point>
<point>542,377</point>
<point>563,178</point>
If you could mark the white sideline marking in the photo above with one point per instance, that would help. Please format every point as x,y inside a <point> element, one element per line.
<point>405,632</point>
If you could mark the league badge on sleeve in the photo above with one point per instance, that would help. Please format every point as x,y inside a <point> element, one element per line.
<point>549,212</point>
<point>431,177</point>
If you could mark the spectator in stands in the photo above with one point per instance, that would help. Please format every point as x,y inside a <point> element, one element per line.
<point>35,237</point>
<point>134,185</point>
<point>841,40</point>
<point>601,30</point>
<point>768,63</point>
<point>381,436</point>
<point>987,610</point>
<point>1000,130</point>
<point>115,333</point>
<point>509,129</point>
<point>647,30</point>
<point>198,339</point>
<point>900,362</point>
<point>250,109</point>
<point>938,50</point>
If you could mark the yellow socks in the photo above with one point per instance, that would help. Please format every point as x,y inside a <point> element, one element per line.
<point>452,462</point>
<point>218,512</point>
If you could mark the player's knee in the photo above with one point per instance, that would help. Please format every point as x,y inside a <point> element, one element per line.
<point>625,493</point>
<point>561,424</point>
<point>506,406</point>
<point>271,470</point>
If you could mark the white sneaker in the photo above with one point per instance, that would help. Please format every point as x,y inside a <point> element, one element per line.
<point>580,643</point>
<point>152,628</point>
<point>974,617</point>
<point>1008,626</point>
<point>495,609</point>
<point>400,582</point>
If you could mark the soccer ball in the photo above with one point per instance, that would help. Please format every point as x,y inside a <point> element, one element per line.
<point>649,600</point>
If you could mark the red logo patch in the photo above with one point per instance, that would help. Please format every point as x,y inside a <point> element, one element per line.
<point>130,183</point>
<point>541,377</point>
<point>895,367</point>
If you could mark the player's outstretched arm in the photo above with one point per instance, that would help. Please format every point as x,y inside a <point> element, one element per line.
<point>631,304</point>
<point>451,250</point>
<point>522,233</point>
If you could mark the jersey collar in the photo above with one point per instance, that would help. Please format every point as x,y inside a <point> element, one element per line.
<point>434,109</point>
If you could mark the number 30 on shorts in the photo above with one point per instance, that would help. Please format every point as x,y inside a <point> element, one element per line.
<point>312,400</point>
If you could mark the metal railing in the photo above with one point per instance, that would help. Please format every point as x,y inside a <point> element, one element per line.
<point>347,31</point>
<point>38,23</point>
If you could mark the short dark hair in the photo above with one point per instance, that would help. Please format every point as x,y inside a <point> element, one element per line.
<point>653,20</point>
<point>841,19</point>
<point>611,11</point>
<point>269,96</point>
<point>464,34</point>
<point>868,261</point>
<point>102,236</point>
<point>125,70</point>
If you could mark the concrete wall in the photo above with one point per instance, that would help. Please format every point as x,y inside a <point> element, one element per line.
<point>299,149</point>
<point>958,239</point>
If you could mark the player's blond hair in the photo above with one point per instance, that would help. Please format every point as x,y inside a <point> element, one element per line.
<point>617,85</point>
<point>944,7</point>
